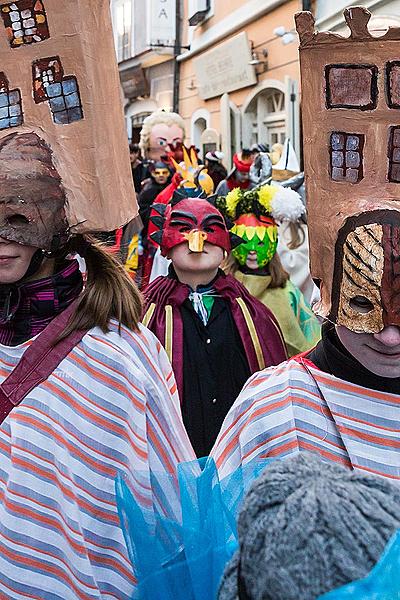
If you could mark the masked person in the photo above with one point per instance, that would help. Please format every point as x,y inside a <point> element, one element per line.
<point>214,332</point>
<point>239,177</point>
<point>342,399</point>
<point>215,168</point>
<point>255,262</point>
<point>79,377</point>
<point>160,176</point>
<point>189,175</point>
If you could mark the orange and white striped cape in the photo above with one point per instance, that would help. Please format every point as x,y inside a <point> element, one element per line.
<point>110,407</point>
<point>296,407</point>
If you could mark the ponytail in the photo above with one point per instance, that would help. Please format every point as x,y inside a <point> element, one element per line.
<point>109,293</point>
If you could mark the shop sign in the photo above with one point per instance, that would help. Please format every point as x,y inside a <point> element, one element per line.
<point>134,83</point>
<point>162,22</point>
<point>225,68</point>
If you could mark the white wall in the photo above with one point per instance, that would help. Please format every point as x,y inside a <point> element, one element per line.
<point>329,14</point>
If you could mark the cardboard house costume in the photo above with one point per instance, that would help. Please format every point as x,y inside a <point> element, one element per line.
<point>51,83</point>
<point>343,411</point>
<point>75,409</point>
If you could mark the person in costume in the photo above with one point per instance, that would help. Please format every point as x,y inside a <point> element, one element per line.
<point>215,167</point>
<point>138,169</point>
<point>189,175</point>
<point>256,265</point>
<point>160,175</point>
<point>308,527</point>
<point>163,133</point>
<point>239,177</point>
<point>134,242</point>
<point>341,400</point>
<point>80,378</point>
<point>214,332</point>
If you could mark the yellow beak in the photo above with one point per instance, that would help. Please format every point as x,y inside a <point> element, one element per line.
<point>196,240</point>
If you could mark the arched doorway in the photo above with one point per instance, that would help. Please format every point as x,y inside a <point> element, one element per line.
<point>265,116</point>
<point>199,127</point>
<point>199,122</point>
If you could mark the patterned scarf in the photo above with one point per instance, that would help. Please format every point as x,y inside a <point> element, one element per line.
<point>27,308</point>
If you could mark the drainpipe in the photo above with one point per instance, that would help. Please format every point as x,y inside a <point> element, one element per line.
<point>177,51</point>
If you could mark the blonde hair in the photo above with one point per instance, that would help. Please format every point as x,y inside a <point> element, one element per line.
<point>109,292</point>
<point>279,276</point>
<point>159,116</point>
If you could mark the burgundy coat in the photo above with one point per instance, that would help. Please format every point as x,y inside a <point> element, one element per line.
<point>257,326</point>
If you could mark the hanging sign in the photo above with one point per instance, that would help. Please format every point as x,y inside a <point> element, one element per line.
<point>162,22</point>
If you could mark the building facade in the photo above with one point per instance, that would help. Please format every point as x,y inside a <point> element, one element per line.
<point>239,82</point>
<point>144,35</point>
<point>329,15</point>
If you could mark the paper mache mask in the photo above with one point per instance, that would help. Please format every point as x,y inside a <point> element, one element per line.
<point>255,214</point>
<point>259,235</point>
<point>31,194</point>
<point>64,151</point>
<point>350,106</point>
<point>163,132</point>
<point>193,174</point>
<point>190,220</point>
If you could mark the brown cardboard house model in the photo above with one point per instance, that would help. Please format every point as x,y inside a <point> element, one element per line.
<point>59,79</point>
<point>351,124</point>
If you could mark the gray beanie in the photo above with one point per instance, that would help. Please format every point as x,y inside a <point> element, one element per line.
<point>307,527</point>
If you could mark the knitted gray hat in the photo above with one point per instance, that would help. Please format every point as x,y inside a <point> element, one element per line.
<point>307,527</point>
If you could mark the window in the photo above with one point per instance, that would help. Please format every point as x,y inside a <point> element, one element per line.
<point>393,84</point>
<point>346,156</point>
<point>394,154</point>
<point>351,86</point>
<point>123,22</point>
<point>25,22</point>
<point>61,93</point>
<point>10,105</point>
<point>198,10</point>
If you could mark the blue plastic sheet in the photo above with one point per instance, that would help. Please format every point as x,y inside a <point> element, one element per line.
<point>185,560</point>
<point>382,583</point>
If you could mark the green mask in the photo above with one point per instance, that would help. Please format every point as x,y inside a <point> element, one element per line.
<point>264,243</point>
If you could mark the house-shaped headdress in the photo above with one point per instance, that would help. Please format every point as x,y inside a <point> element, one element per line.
<point>351,121</point>
<point>60,91</point>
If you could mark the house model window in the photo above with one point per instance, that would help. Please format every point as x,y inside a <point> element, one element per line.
<point>10,105</point>
<point>394,154</point>
<point>393,84</point>
<point>351,86</point>
<point>346,150</point>
<point>25,22</point>
<point>61,93</point>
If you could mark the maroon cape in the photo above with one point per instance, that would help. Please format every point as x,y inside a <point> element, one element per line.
<point>257,326</point>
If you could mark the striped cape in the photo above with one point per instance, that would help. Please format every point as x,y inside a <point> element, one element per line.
<point>110,407</point>
<point>296,407</point>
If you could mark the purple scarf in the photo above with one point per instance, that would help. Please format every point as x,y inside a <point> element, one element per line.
<point>27,308</point>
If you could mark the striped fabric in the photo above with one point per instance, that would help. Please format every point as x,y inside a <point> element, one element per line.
<point>111,406</point>
<point>295,407</point>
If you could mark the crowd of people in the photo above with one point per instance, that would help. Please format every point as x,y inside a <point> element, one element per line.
<point>184,412</point>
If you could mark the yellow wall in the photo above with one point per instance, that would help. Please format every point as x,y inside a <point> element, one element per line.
<point>282,60</point>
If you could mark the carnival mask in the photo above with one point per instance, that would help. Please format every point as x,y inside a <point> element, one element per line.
<point>163,139</point>
<point>192,221</point>
<point>259,235</point>
<point>193,175</point>
<point>31,194</point>
<point>366,288</point>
